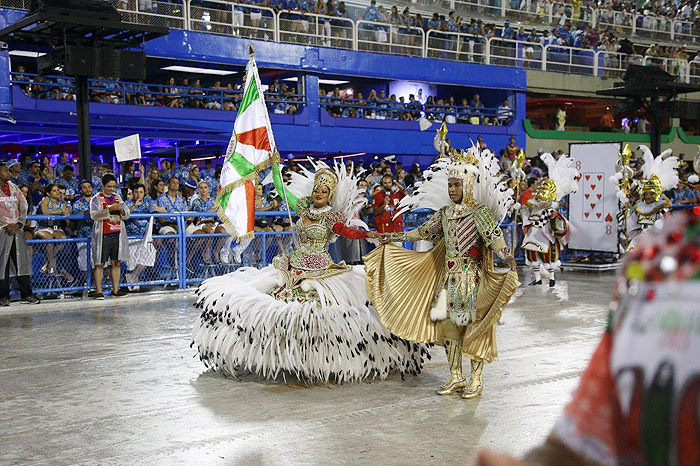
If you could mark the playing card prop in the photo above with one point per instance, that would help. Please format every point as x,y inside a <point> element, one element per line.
<point>593,208</point>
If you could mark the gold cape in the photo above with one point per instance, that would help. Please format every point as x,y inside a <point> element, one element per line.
<point>403,283</point>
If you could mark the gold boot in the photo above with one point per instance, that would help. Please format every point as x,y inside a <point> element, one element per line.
<point>454,358</point>
<point>476,382</point>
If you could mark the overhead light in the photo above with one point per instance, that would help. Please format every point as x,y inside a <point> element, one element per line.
<point>24,53</point>
<point>194,69</point>
<point>333,82</point>
<point>211,157</point>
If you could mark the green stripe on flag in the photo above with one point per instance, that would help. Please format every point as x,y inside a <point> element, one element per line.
<point>241,164</point>
<point>249,96</point>
<point>223,200</point>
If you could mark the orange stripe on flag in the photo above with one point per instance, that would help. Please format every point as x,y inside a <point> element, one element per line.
<point>257,138</point>
<point>250,203</point>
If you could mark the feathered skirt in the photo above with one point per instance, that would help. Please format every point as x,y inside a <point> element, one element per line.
<point>243,327</point>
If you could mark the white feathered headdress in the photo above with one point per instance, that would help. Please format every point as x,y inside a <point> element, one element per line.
<point>348,198</point>
<point>490,189</point>
<point>562,178</point>
<point>660,173</point>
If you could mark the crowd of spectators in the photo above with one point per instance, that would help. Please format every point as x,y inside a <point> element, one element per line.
<point>280,98</point>
<point>382,107</point>
<point>53,189</point>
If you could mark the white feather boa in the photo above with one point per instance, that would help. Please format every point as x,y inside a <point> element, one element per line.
<point>241,327</point>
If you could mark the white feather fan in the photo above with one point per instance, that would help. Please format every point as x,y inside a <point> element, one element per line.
<point>666,170</point>
<point>562,172</point>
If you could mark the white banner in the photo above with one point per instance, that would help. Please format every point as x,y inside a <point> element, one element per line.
<point>593,208</point>
<point>128,148</point>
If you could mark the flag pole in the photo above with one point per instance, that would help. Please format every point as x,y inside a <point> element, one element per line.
<point>519,160</point>
<point>275,154</point>
<point>276,165</point>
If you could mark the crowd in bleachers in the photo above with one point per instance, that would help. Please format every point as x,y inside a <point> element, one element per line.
<point>280,98</point>
<point>382,107</point>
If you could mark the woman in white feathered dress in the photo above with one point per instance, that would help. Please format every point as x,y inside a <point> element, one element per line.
<point>304,315</point>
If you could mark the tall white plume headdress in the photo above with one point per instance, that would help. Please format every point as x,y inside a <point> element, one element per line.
<point>490,188</point>
<point>562,177</point>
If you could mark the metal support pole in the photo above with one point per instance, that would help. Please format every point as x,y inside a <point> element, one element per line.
<point>182,250</point>
<point>83,111</point>
<point>264,248</point>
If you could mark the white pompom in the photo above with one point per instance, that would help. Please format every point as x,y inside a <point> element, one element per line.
<point>306,286</point>
<point>439,312</point>
<point>693,178</point>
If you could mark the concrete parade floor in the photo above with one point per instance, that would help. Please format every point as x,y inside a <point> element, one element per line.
<point>115,382</point>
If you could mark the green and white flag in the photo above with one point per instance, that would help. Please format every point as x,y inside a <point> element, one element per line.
<point>249,151</point>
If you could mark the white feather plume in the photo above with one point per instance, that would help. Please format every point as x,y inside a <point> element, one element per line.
<point>562,172</point>
<point>431,193</point>
<point>666,168</point>
<point>490,189</point>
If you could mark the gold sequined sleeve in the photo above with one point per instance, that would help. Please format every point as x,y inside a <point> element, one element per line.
<point>490,231</point>
<point>429,231</point>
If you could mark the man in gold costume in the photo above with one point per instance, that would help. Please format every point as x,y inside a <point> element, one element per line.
<point>450,295</point>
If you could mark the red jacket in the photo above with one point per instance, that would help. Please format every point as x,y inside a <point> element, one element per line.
<point>384,221</point>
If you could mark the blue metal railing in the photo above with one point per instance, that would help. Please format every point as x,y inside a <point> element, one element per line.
<point>175,264</point>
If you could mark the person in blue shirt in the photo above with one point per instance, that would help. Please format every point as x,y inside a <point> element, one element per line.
<point>172,201</point>
<point>371,12</point>
<point>383,105</point>
<point>62,162</point>
<point>70,182</point>
<point>31,176</point>
<point>182,172</point>
<point>15,170</point>
<point>205,203</point>
<point>81,206</point>
<point>136,228</point>
<point>97,179</point>
<point>507,32</point>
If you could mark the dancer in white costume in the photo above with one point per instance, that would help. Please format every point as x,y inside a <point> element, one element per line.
<point>303,315</point>
<point>546,230</point>
<point>659,174</point>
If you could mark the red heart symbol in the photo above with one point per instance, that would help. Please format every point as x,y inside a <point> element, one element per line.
<point>592,205</point>
<point>599,196</point>
<point>608,218</point>
<point>588,177</point>
<point>586,195</point>
<point>593,187</point>
<point>450,264</point>
<point>298,272</point>
<point>600,177</point>
<point>598,214</point>
<point>586,214</point>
